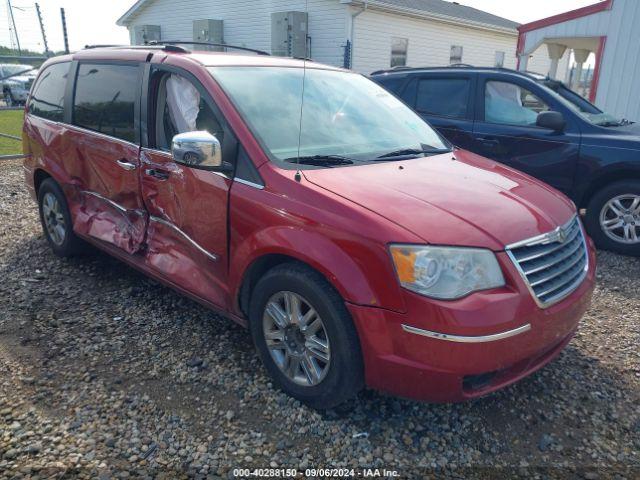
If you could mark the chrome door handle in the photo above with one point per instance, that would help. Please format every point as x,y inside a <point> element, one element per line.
<point>126,164</point>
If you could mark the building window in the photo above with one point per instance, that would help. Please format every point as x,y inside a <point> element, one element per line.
<point>399,48</point>
<point>499,59</point>
<point>456,54</point>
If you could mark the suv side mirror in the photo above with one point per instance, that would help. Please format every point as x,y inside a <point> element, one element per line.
<point>551,120</point>
<point>199,150</point>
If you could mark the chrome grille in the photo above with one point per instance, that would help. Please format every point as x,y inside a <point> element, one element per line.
<point>554,264</point>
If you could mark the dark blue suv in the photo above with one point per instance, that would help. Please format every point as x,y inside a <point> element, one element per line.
<point>540,127</point>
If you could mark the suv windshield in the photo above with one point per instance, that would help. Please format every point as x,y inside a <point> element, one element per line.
<point>13,69</point>
<point>343,119</point>
<point>580,105</point>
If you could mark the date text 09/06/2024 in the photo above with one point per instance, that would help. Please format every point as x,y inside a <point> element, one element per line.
<point>313,472</point>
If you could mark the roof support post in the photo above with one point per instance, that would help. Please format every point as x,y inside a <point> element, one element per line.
<point>581,55</point>
<point>556,52</point>
<point>523,62</point>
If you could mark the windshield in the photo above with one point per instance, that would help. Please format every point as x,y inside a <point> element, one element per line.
<point>582,107</point>
<point>343,115</point>
<point>13,69</point>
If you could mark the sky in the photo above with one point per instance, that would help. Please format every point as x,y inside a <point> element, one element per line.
<point>94,21</point>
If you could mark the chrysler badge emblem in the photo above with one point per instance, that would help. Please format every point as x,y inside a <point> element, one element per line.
<point>561,235</point>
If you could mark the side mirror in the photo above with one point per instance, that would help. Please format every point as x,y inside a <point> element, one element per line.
<point>552,120</point>
<point>199,150</point>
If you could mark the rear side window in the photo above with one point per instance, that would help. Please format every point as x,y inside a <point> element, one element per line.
<point>391,83</point>
<point>447,97</point>
<point>47,98</point>
<point>105,99</point>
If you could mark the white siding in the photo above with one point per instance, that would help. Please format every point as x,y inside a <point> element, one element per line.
<point>248,22</point>
<point>429,42</point>
<point>620,69</point>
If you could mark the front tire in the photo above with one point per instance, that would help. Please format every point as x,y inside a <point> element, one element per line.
<point>305,336</point>
<point>8,99</point>
<point>613,218</point>
<point>56,220</point>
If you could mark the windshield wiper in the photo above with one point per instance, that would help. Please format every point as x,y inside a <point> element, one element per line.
<point>321,160</point>
<point>413,151</point>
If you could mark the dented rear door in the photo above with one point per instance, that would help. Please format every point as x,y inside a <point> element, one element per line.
<point>103,136</point>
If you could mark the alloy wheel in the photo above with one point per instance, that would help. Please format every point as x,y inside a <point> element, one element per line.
<point>620,219</point>
<point>296,338</point>
<point>53,218</point>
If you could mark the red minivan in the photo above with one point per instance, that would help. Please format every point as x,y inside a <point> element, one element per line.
<point>307,203</point>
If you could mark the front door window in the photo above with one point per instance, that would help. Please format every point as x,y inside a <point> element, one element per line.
<point>179,109</point>
<point>511,104</point>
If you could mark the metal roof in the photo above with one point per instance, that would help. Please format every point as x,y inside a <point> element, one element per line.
<point>437,8</point>
<point>452,9</point>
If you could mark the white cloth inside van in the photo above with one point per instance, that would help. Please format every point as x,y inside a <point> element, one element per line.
<point>183,100</point>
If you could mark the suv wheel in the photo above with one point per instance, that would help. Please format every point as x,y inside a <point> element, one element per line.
<point>8,98</point>
<point>56,220</point>
<point>613,218</point>
<point>305,336</point>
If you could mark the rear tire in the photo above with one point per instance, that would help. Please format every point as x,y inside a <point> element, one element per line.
<point>313,351</point>
<point>613,218</point>
<point>56,220</point>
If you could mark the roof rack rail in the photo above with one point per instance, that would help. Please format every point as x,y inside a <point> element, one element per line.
<point>90,47</point>
<point>169,48</point>
<point>445,67</point>
<point>207,44</point>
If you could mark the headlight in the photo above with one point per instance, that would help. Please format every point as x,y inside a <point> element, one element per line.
<point>446,273</point>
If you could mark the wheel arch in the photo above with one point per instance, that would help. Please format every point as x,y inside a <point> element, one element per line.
<point>39,176</point>
<point>604,180</point>
<point>255,271</point>
<point>375,286</point>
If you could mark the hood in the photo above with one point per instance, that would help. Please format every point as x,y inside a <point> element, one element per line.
<point>20,79</point>
<point>452,199</point>
<point>631,129</point>
<point>625,136</point>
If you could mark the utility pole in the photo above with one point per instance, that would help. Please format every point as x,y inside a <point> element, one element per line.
<point>13,22</point>
<point>44,35</point>
<point>64,31</point>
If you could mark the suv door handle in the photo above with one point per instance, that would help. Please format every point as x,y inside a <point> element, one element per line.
<point>126,164</point>
<point>159,174</point>
<point>488,142</point>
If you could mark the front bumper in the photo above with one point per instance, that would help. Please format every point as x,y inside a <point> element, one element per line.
<point>482,343</point>
<point>19,94</point>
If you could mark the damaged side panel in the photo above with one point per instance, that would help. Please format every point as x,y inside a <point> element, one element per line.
<point>187,233</point>
<point>105,184</point>
<point>104,198</point>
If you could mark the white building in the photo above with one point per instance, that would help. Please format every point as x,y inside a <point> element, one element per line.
<point>363,35</point>
<point>608,34</point>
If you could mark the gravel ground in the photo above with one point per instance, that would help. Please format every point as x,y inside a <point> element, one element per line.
<point>106,374</point>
